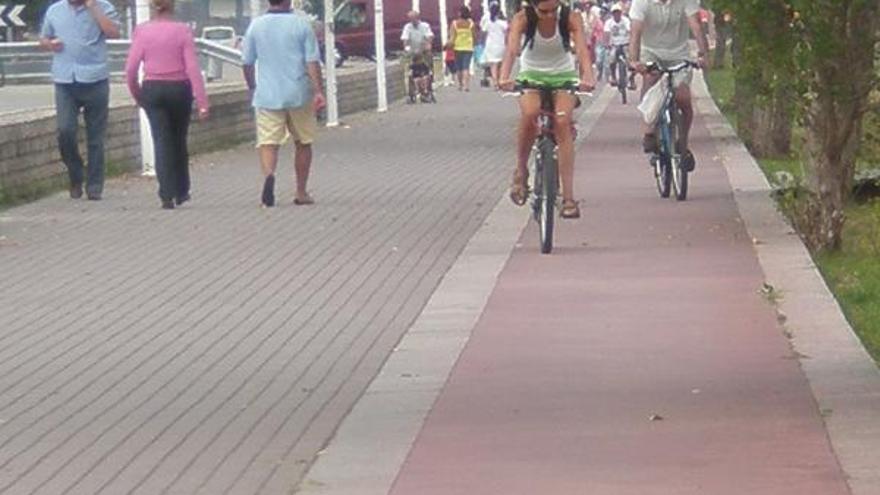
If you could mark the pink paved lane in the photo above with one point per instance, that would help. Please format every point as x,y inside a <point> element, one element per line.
<point>647,308</point>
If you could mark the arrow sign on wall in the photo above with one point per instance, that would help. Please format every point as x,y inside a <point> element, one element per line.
<point>9,16</point>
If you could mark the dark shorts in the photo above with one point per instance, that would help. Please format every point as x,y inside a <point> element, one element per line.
<point>419,70</point>
<point>450,66</point>
<point>463,60</point>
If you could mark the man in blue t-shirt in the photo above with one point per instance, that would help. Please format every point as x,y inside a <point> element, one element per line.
<point>281,67</point>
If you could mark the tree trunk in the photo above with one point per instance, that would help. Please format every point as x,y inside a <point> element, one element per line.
<point>833,133</point>
<point>841,82</point>
<point>744,95</point>
<point>772,123</point>
<point>722,35</point>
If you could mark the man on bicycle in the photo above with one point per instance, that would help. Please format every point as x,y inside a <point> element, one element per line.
<point>660,31</point>
<point>617,34</point>
<point>542,35</point>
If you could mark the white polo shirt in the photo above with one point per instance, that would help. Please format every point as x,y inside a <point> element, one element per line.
<point>666,31</point>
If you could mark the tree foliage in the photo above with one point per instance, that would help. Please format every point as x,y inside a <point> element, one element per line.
<point>824,50</point>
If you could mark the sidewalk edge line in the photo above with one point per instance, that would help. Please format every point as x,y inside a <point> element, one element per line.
<point>844,379</point>
<point>372,442</point>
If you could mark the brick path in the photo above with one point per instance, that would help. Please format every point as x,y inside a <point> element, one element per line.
<point>215,348</point>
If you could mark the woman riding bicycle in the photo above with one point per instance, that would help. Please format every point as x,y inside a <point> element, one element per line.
<point>542,35</point>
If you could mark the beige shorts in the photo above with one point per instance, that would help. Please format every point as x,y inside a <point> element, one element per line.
<point>681,77</point>
<point>275,126</point>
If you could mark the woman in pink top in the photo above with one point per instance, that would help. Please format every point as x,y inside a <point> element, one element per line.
<point>172,79</point>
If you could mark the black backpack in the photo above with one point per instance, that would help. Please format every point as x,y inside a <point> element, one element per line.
<point>532,26</point>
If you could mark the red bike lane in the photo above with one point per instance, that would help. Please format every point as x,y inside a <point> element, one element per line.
<point>639,358</point>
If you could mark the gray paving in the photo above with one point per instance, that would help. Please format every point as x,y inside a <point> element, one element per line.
<point>215,348</point>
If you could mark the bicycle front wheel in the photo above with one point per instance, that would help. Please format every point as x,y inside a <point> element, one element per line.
<point>548,168</point>
<point>622,80</point>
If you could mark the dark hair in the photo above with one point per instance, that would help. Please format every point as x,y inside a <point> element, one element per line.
<point>275,3</point>
<point>464,12</point>
<point>532,24</point>
<point>495,12</point>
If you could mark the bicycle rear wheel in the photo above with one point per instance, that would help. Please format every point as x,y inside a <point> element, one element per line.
<point>547,170</point>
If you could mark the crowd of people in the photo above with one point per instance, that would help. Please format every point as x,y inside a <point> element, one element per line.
<point>556,45</point>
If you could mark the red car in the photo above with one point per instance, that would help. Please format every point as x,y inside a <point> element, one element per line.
<point>355,21</point>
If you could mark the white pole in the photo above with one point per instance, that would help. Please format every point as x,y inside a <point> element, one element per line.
<point>444,38</point>
<point>330,63</point>
<point>256,9</point>
<point>148,159</point>
<point>382,105</point>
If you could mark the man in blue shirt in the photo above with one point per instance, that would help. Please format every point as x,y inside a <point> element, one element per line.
<point>76,31</point>
<point>281,66</point>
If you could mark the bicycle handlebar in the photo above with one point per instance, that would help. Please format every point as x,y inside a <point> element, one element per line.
<point>687,64</point>
<point>521,87</point>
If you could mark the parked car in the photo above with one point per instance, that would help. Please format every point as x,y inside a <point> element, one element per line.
<point>355,24</point>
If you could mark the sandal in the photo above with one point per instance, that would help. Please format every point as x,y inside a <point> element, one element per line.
<point>570,209</point>
<point>519,190</point>
<point>306,200</point>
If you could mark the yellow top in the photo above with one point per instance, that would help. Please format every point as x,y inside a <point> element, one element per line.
<point>464,37</point>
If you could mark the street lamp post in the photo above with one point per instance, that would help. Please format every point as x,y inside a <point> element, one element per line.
<point>382,104</point>
<point>148,159</point>
<point>330,63</point>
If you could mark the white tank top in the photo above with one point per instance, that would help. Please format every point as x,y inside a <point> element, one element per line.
<point>547,55</point>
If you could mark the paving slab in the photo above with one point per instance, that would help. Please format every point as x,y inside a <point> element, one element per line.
<point>216,348</point>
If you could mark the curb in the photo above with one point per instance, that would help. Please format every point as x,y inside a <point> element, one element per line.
<point>844,379</point>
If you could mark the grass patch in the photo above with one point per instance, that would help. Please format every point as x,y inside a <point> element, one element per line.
<point>853,272</point>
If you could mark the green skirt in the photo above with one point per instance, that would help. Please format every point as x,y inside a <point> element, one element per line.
<point>553,80</point>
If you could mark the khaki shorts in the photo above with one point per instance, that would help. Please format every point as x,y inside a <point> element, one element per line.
<point>681,77</point>
<point>275,126</point>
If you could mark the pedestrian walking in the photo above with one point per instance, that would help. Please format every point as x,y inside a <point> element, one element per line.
<point>494,29</point>
<point>76,32</point>
<point>172,80</point>
<point>464,34</point>
<point>281,67</point>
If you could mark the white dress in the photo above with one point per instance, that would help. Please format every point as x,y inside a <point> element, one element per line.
<point>496,40</point>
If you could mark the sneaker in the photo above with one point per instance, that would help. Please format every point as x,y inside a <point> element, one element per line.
<point>167,204</point>
<point>269,192</point>
<point>76,191</point>
<point>182,199</point>
<point>688,162</point>
<point>94,196</point>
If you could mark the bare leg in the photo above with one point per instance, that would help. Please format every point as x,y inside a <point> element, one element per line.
<point>565,140</point>
<point>494,69</point>
<point>683,100</point>
<point>268,159</point>
<point>530,108</point>
<point>302,163</point>
<point>268,162</point>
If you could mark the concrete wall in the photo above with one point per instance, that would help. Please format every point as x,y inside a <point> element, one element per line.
<point>29,158</point>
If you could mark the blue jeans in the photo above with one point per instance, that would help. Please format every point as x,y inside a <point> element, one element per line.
<point>93,99</point>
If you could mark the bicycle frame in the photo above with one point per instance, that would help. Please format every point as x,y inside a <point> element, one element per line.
<point>667,162</point>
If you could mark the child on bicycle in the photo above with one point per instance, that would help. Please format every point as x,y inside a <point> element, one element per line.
<point>548,28</point>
